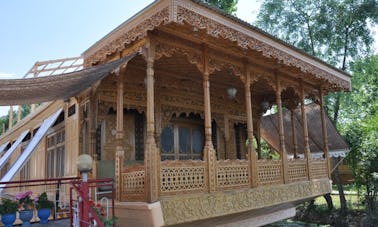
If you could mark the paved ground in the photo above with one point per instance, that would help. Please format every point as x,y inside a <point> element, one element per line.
<point>58,223</point>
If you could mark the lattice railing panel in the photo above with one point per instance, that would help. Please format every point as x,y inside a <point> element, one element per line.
<point>269,172</point>
<point>232,174</point>
<point>297,170</point>
<point>182,177</point>
<point>318,169</point>
<point>133,180</point>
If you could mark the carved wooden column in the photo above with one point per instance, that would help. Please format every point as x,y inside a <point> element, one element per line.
<point>251,150</point>
<point>151,153</point>
<point>209,152</point>
<point>281,130</point>
<point>324,132</point>
<point>120,151</point>
<point>306,145</point>
<point>294,131</point>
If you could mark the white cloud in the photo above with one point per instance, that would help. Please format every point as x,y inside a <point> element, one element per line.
<point>4,75</point>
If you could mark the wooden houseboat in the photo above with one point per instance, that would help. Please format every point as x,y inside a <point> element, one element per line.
<point>170,104</point>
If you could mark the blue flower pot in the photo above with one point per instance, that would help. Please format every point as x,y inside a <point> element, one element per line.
<point>44,215</point>
<point>8,219</point>
<point>26,216</point>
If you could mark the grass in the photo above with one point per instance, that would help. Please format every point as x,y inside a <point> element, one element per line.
<point>354,202</point>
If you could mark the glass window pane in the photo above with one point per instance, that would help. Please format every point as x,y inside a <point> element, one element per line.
<point>198,140</point>
<point>167,140</point>
<point>184,140</point>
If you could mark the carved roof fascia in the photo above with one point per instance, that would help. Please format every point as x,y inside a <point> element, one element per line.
<point>133,29</point>
<point>218,25</point>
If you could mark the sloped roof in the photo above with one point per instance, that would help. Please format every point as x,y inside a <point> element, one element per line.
<point>269,131</point>
<point>49,88</point>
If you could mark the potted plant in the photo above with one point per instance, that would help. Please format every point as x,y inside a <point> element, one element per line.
<point>44,206</point>
<point>26,206</point>
<point>101,212</point>
<point>8,209</point>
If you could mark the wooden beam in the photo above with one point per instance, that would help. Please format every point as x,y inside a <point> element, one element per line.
<point>324,132</point>
<point>306,145</point>
<point>119,136</point>
<point>281,130</point>
<point>209,153</point>
<point>251,150</point>
<point>151,153</point>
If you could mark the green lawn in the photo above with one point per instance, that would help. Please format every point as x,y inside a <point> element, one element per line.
<point>354,201</point>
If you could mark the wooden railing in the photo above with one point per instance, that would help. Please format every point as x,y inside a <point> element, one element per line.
<point>297,170</point>
<point>133,180</point>
<point>182,177</point>
<point>269,172</point>
<point>190,176</point>
<point>318,169</point>
<point>232,174</point>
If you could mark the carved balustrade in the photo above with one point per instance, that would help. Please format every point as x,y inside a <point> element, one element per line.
<point>133,179</point>
<point>269,172</point>
<point>189,176</point>
<point>318,169</point>
<point>297,170</point>
<point>182,177</point>
<point>232,174</point>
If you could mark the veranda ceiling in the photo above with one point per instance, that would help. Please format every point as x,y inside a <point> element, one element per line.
<point>49,88</point>
<point>269,131</point>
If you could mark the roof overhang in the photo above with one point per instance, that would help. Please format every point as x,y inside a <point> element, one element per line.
<point>49,88</point>
<point>217,24</point>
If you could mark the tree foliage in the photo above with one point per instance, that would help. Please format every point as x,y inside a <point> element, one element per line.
<point>228,6</point>
<point>336,31</point>
<point>361,130</point>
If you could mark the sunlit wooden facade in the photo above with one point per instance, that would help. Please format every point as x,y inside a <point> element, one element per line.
<point>173,125</point>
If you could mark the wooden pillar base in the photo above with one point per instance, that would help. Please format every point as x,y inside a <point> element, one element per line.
<point>152,170</point>
<point>118,173</point>
<point>211,167</point>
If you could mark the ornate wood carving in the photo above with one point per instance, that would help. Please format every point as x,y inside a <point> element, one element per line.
<point>179,209</point>
<point>128,35</point>
<point>217,29</point>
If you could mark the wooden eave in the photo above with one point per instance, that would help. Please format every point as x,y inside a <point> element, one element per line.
<point>160,15</point>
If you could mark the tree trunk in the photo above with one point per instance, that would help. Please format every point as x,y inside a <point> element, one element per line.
<point>329,201</point>
<point>336,177</point>
<point>336,108</point>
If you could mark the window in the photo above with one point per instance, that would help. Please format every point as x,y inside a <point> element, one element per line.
<point>25,171</point>
<point>56,154</point>
<point>183,139</point>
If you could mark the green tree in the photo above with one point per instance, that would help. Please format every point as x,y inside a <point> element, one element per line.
<point>228,6</point>
<point>362,132</point>
<point>334,30</point>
